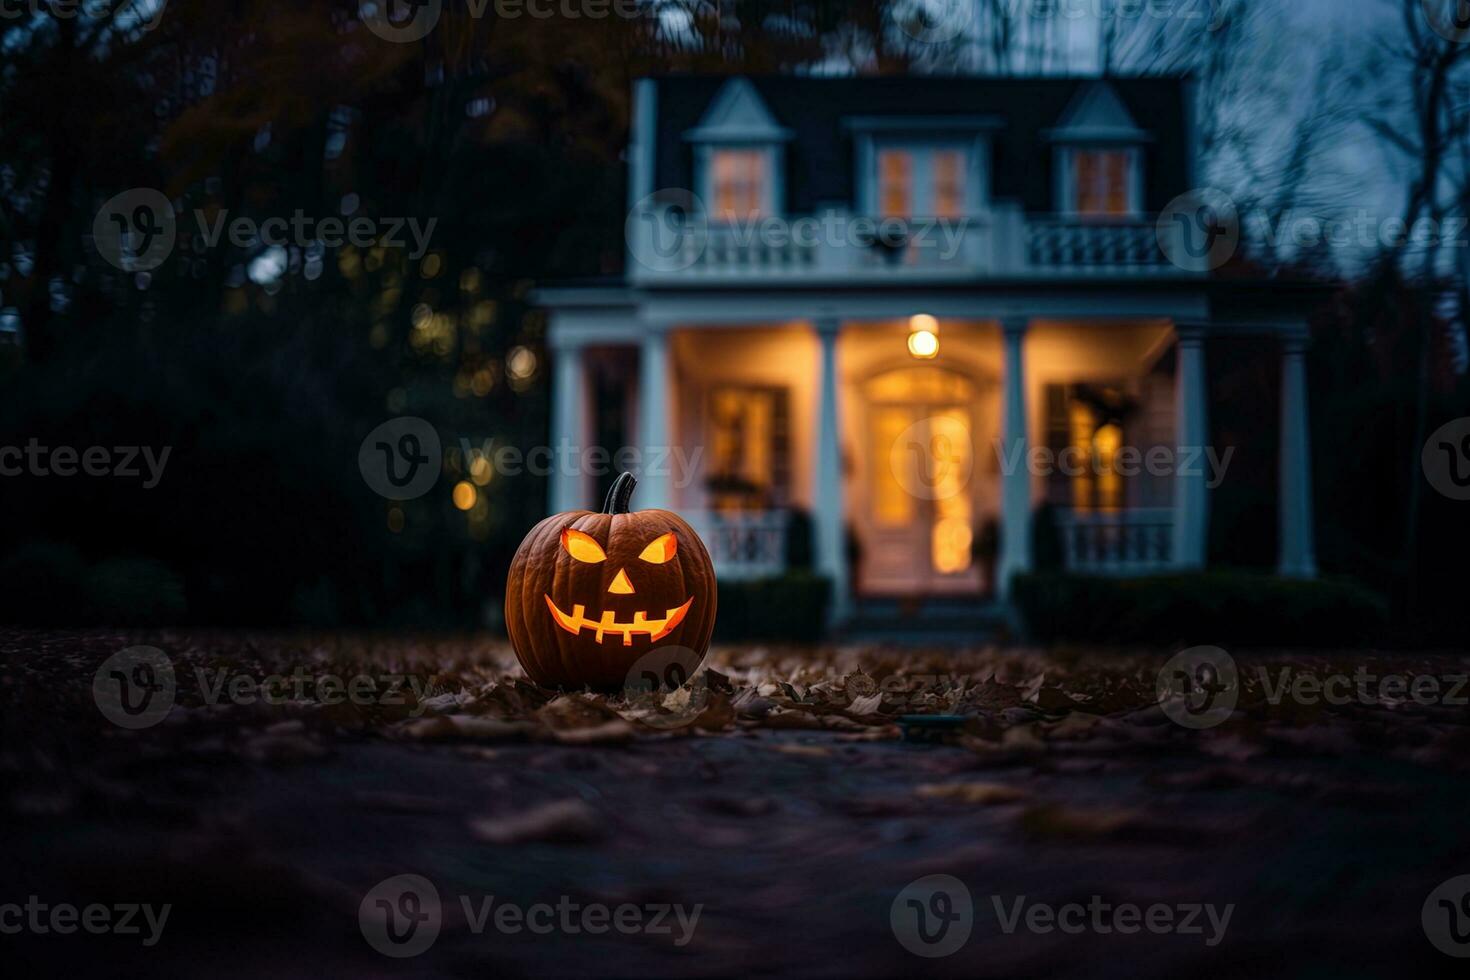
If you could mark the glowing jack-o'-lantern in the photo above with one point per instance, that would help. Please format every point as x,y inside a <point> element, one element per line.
<point>590,594</point>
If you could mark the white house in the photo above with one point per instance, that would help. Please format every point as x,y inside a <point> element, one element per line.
<point>918,308</point>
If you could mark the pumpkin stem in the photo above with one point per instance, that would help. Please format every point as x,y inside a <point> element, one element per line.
<point>621,494</point>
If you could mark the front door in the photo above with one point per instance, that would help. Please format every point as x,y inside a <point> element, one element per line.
<point>919,525</point>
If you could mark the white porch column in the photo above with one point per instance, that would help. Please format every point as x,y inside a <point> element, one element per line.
<point>654,490</point>
<point>1015,494</point>
<point>1191,433</point>
<point>567,488</point>
<point>1298,557</point>
<point>828,518</point>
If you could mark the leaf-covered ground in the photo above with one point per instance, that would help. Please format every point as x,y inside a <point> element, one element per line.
<point>784,795</point>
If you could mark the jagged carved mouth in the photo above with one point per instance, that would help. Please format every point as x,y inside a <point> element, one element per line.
<point>656,629</point>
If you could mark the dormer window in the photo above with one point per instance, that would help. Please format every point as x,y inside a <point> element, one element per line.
<point>1102,181</point>
<point>921,166</point>
<point>921,181</point>
<point>739,156</point>
<point>739,181</point>
<point>1098,155</point>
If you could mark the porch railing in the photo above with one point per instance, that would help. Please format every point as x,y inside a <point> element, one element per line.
<point>1124,542</point>
<point>744,544</point>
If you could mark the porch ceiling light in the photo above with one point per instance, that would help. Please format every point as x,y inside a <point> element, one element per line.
<point>923,336</point>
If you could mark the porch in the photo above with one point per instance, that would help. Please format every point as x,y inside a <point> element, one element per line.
<point>846,445</point>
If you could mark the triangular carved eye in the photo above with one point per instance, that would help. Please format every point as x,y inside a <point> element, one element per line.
<point>661,549</point>
<point>582,547</point>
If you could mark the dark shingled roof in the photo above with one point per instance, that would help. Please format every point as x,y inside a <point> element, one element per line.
<point>820,156</point>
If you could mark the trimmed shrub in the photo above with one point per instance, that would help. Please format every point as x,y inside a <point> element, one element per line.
<point>788,608</point>
<point>1220,607</point>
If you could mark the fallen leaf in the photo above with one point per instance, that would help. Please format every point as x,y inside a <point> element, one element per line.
<point>564,822</point>
<point>980,794</point>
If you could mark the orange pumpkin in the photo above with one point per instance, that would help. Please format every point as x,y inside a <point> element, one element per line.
<point>590,594</point>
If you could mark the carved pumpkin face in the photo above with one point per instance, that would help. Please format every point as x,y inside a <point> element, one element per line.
<point>590,594</point>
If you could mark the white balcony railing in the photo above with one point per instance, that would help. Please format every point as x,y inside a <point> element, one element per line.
<point>1070,246</point>
<point>670,247</point>
<point>1124,542</point>
<point>744,544</point>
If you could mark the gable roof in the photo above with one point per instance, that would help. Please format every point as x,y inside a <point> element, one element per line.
<point>737,114</point>
<point>1096,114</point>
<point>1019,111</point>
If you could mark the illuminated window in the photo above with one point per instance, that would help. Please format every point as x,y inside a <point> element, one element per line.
<point>739,184</point>
<point>949,184</point>
<point>895,183</point>
<point>1085,431</point>
<point>1102,181</point>
<point>749,442</point>
<point>920,182</point>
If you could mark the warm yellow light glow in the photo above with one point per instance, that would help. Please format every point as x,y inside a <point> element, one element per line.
<point>923,321</point>
<point>480,470</point>
<point>950,546</point>
<point>521,363</point>
<point>582,546</point>
<point>661,549</point>
<point>464,495</point>
<point>395,520</point>
<point>923,344</point>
